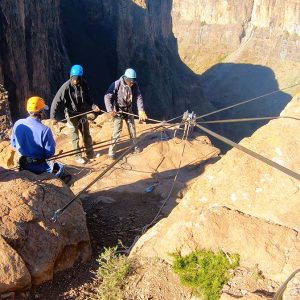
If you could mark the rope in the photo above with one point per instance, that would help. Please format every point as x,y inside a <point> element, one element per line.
<point>248,120</point>
<point>143,229</point>
<point>246,101</point>
<point>82,114</point>
<point>174,118</point>
<point>85,148</point>
<point>73,152</point>
<point>131,114</point>
<point>251,153</point>
<point>79,150</point>
<point>279,294</point>
<point>153,120</point>
<point>60,211</point>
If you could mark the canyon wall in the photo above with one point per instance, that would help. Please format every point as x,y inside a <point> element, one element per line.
<point>191,54</point>
<point>32,52</point>
<point>242,49</point>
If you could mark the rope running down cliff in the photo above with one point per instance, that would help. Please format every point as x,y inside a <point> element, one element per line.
<point>60,211</point>
<point>246,101</point>
<point>250,152</point>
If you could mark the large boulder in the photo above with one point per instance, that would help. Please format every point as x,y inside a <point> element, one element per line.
<point>14,273</point>
<point>241,205</point>
<point>33,243</point>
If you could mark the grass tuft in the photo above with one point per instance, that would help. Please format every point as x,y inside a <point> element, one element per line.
<point>204,272</point>
<point>112,272</point>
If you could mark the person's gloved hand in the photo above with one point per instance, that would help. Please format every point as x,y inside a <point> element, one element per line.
<point>54,122</point>
<point>95,108</point>
<point>142,116</point>
<point>113,113</point>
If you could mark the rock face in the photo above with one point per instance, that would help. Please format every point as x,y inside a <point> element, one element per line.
<point>292,291</point>
<point>14,273</point>
<point>32,247</point>
<point>5,116</point>
<point>30,201</point>
<point>241,205</point>
<point>32,54</point>
<point>190,54</point>
<point>242,49</point>
<point>36,61</point>
<point>209,32</point>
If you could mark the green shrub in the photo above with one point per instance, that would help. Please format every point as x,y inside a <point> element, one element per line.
<point>204,272</point>
<point>113,270</point>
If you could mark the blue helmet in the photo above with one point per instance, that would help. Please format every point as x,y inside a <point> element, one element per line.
<point>76,70</point>
<point>130,74</point>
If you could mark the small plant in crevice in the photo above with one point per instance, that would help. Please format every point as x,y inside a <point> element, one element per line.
<point>112,273</point>
<point>222,57</point>
<point>204,271</point>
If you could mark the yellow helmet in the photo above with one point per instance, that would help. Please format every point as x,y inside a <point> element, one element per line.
<point>36,104</point>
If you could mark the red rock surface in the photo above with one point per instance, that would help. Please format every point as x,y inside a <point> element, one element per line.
<point>241,205</point>
<point>34,247</point>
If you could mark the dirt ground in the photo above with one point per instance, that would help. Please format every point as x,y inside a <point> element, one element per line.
<point>111,218</point>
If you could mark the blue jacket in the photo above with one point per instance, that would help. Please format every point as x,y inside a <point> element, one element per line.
<point>120,96</point>
<point>33,139</point>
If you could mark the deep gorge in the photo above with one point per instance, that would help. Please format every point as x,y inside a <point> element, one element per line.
<point>189,55</point>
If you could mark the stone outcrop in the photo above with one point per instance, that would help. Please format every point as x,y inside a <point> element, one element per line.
<point>14,273</point>
<point>241,205</point>
<point>32,247</point>
<point>29,201</point>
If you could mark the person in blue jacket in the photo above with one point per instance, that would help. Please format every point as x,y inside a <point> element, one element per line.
<point>34,141</point>
<point>118,101</point>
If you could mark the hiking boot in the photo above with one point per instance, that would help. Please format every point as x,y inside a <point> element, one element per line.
<point>137,149</point>
<point>80,160</point>
<point>112,156</point>
<point>66,178</point>
<point>93,155</point>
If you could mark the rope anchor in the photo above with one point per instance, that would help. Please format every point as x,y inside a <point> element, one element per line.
<point>188,121</point>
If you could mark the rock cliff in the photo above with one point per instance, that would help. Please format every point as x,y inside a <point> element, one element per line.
<point>241,205</point>
<point>248,31</point>
<point>32,52</point>
<point>32,247</point>
<point>190,54</point>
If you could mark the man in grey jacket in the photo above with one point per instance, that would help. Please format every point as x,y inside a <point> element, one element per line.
<point>118,99</point>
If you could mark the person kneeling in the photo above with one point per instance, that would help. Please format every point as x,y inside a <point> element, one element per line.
<point>34,142</point>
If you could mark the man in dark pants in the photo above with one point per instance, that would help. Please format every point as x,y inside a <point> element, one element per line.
<point>34,142</point>
<point>74,95</point>
<point>118,99</point>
